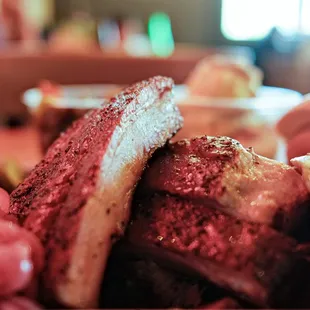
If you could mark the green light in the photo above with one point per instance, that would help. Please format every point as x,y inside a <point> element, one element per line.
<point>160,33</point>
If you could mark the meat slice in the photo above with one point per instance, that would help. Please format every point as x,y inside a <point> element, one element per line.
<point>302,164</point>
<point>254,261</point>
<point>77,200</point>
<point>136,283</point>
<point>219,171</point>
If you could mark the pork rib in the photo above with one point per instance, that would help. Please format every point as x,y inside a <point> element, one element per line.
<point>135,283</point>
<point>77,199</point>
<point>252,260</point>
<point>222,173</point>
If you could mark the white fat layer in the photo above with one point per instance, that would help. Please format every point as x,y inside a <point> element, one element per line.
<point>108,210</point>
<point>137,138</point>
<point>256,186</point>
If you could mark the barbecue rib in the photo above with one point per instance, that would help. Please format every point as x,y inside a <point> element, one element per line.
<point>252,260</point>
<point>131,282</point>
<point>220,172</point>
<point>77,200</point>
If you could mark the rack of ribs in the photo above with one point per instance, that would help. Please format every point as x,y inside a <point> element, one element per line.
<point>220,172</point>
<point>77,200</point>
<point>251,260</point>
<point>209,207</point>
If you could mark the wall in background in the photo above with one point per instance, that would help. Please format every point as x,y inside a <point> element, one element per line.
<point>194,21</point>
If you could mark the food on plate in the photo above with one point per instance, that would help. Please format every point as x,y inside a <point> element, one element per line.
<point>220,172</point>
<point>209,224</point>
<point>77,200</point>
<point>221,77</point>
<point>249,259</point>
<point>133,282</point>
<point>181,237</point>
<point>303,165</point>
<point>294,127</point>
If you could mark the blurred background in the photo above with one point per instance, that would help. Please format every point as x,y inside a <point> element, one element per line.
<point>109,42</point>
<point>274,34</point>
